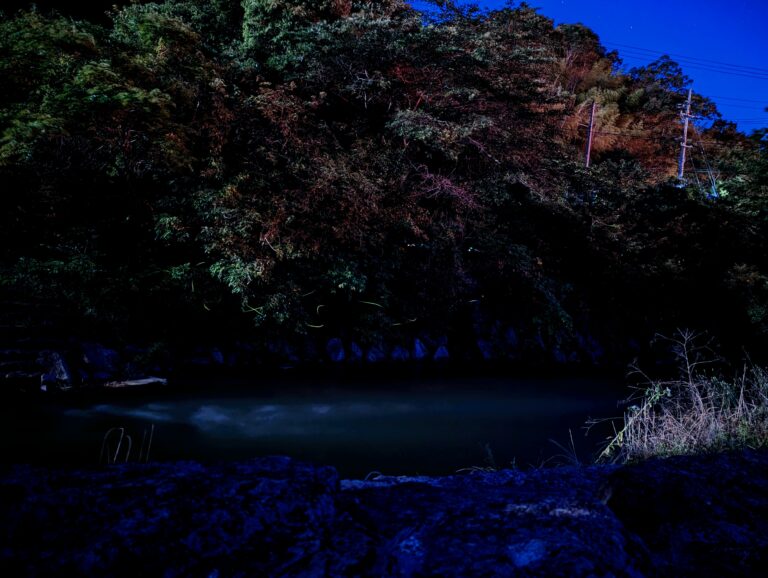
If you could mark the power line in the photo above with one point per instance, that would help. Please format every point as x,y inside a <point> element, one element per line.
<point>700,66</point>
<point>763,101</point>
<point>703,60</point>
<point>635,136</point>
<point>641,58</point>
<point>735,70</point>
<point>693,61</point>
<point>710,172</point>
<point>760,108</point>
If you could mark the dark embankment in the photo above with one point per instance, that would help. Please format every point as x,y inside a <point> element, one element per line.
<point>684,516</point>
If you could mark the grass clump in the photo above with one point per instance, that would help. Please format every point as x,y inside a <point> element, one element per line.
<point>698,412</point>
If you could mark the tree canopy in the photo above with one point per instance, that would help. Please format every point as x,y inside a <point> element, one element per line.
<point>354,167</point>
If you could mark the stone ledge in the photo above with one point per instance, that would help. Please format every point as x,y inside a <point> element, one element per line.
<point>702,516</point>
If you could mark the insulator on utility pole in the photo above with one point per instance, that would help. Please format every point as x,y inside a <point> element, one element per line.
<point>684,145</point>
<point>590,133</point>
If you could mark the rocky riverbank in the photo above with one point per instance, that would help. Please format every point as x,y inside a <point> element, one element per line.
<point>687,516</point>
<point>41,349</point>
<point>69,363</point>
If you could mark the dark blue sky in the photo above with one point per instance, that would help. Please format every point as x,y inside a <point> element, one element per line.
<point>699,34</point>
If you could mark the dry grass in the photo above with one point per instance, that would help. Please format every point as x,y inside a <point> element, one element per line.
<point>698,412</point>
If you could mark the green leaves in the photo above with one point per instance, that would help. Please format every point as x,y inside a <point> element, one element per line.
<point>22,131</point>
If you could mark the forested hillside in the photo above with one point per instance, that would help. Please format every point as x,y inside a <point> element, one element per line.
<point>343,168</point>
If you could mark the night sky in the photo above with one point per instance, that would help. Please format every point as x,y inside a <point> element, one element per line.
<point>721,45</point>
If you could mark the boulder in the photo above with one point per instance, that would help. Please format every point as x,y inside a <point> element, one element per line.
<point>485,347</point>
<point>420,350</point>
<point>355,353</point>
<point>400,354</point>
<point>511,340</point>
<point>559,356</point>
<point>376,354</point>
<point>56,371</point>
<point>102,363</point>
<point>441,354</point>
<point>335,350</point>
<point>217,356</point>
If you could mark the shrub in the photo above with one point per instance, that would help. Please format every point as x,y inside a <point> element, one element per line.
<point>698,412</point>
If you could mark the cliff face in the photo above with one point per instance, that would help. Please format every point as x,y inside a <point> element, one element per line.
<point>697,516</point>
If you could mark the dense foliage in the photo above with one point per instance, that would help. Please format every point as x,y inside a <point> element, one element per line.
<point>351,167</point>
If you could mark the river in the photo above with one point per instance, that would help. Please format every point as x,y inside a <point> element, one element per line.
<point>403,427</point>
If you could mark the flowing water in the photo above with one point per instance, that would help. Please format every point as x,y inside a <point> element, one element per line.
<point>433,426</point>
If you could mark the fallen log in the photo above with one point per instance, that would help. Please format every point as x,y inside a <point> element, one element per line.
<point>136,382</point>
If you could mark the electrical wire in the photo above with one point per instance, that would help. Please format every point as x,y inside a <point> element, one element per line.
<point>635,136</point>
<point>693,58</point>
<point>695,174</point>
<point>707,69</point>
<point>763,101</point>
<point>706,161</point>
<point>628,55</point>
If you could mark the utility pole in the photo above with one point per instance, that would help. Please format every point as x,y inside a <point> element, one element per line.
<point>590,132</point>
<point>684,145</point>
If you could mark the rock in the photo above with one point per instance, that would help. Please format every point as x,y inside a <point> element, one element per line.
<point>101,362</point>
<point>485,347</point>
<point>283,350</point>
<point>591,349</point>
<point>527,553</point>
<point>335,350</point>
<point>376,354</point>
<point>56,372</point>
<point>200,359</point>
<point>420,351</point>
<point>217,357</point>
<point>705,513</point>
<point>491,524</point>
<point>687,516</point>
<point>355,353</point>
<point>441,354</point>
<point>400,354</point>
<point>268,517</point>
<point>511,340</point>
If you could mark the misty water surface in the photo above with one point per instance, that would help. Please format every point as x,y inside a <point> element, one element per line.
<point>435,427</point>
